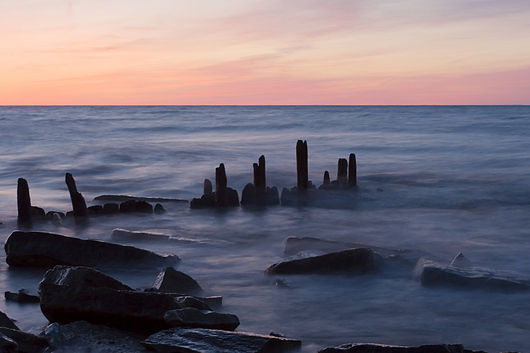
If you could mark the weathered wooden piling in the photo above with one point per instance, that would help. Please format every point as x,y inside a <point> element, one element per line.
<point>326,178</point>
<point>301,165</point>
<point>220,178</point>
<point>23,201</point>
<point>208,188</point>
<point>352,171</point>
<point>342,171</point>
<point>78,201</point>
<point>259,175</point>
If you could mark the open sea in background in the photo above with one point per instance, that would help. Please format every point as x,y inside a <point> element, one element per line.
<point>435,179</point>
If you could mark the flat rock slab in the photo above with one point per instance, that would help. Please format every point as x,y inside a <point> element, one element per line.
<point>22,297</point>
<point>208,341</point>
<point>124,235</point>
<point>36,249</point>
<point>379,348</point>
<point>353,261</point>
<point>434,274</point>
<point>191,317</point>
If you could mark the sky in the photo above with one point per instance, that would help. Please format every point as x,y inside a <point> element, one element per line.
<point>69,52</point>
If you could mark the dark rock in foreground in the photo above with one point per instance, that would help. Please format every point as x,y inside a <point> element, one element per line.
<point>354,261</point>
<point>21,297</point>
<point>379,348</point>
<point>173,281</point>
<point>83,337</point>
<point>27,342</point>
<point>434,274</point>
<point>36,249</point>
<point>7,345</point>
<point>191,317</point>
<point>5,321</point>
<point>180,340</point>
<point>80,293</point>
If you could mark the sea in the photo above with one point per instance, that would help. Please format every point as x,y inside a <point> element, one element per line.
<point>437,180</point>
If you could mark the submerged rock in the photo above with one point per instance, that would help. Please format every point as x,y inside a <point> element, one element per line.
<point>379,348</point>
<point>138,206</point>
<point>218,341</point>
<point>356,261</point>
<point>36,249</point>
<point>122,198</point>
<point>159,209</point>
<point>27,342</point>
<point>80,293</point>
<point>434,274</point>
<point>173,281</point>
<point>119,234</point>
<point>191,317</point>
<point>111,208</point>
<point>21,297</point>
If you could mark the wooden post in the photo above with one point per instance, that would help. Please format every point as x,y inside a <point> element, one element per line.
<point>301,165</point>
<point>259,175</point>
<point>207,188</point>
<point>23,201</point>
<point>352,171</point>
<point>342,171</point>
<point>326,178</point>
<point>78,201</point>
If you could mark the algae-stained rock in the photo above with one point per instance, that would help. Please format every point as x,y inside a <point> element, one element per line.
<point>83,337</point>
<point>173,281</point>
<point>434,274</point>
<point>27,342</point>
<point>191,317</point>
<point>5,321</point>
<point>36,249</point>
<point>79,293</point>
<point>182,340</point>
<point>379,348</point>
<point>356,261</point>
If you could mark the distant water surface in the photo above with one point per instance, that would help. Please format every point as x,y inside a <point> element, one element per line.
<point>437,180</point>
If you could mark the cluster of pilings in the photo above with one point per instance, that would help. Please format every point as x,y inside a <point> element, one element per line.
<point>259,194</point>
<point>28,213</point>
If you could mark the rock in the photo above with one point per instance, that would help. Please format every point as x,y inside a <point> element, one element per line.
<point>433,274</point>
<point>122,198</point>
<point>7,345</point>
<point>80,293</point>
<point>95,210</point>
<point>206,201</point>
<point>301,165</point>
<point>460,261</point>
<point>22,297</point>
<point>379,348</point>
<point>5,321</point>
<point>78,201</point>
<point>83,337</point>
<point>352,170</point>
<point>159,209</point>
<point>294,245</point>
<point>119,234</point>
<point>23,201</point>
<point>191,317</point>
<point>248,196</point>
<point>173,281</point>
<point>208,341</point>
<point>144,207</point>
<point>55,216</point>
<point>36,249</point>
<point>111,208</point>
<point>128,206</point>
<point>37,212</point>
<point>27,342</point>
<point>356,261</point>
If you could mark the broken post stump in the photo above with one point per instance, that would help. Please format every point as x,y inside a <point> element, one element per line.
<point>78,201</point>
<point>23,201</point>
<point>326,178</point>
<point>342,171</point>
<point>301,165</point>
<point>352,171</point>
<point>207,188</point>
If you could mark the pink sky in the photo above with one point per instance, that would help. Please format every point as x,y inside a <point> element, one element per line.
<point>265,52</point>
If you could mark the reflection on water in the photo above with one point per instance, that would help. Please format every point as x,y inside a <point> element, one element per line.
<point>437,180</point>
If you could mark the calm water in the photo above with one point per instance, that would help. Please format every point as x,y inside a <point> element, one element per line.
<point>438,180</point>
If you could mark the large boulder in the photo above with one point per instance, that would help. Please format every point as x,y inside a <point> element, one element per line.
<point>181,340</point>
<point>36,249</point>
<point>79,293</point>
<point>173,281</point>
<point>353,261</point>
<point>27,342</point>
<point>379,348</point>
<point>435,274</point>
<point>191,317</point>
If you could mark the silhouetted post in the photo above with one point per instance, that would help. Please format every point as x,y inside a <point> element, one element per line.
<point>342,171</point>
<point>326,178</point>
<point>23,201</point>
<point>208,188</point>
<point>259,175</point>
<point>301,165</point>
<point>352,171</point>
<point>220,178</point>
<point>78,201</point>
